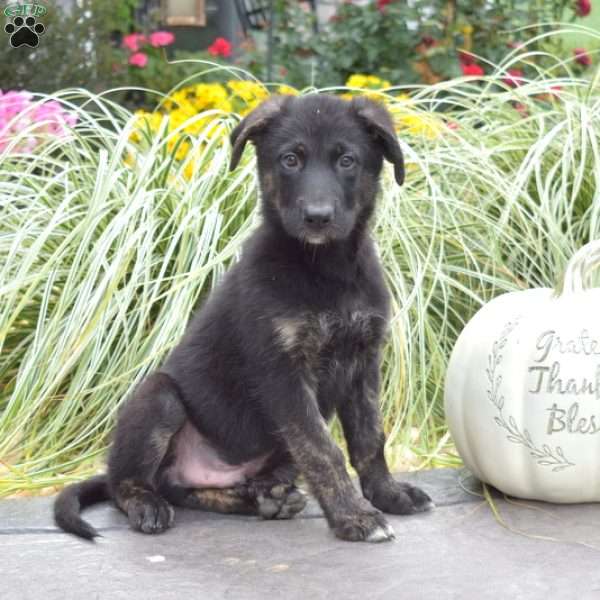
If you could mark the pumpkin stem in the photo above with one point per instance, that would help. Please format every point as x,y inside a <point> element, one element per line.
<point>577,276</point>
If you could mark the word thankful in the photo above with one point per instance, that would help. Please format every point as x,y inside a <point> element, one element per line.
<point>549,379</point>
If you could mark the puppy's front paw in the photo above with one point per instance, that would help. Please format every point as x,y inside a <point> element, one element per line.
<point>399,498</point>
<point>364,526</point>
<point>150,513</point>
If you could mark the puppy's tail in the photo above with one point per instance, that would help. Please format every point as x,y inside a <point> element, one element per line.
<point>76,497</point>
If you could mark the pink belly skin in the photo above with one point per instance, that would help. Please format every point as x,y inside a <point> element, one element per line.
<point>197,464</point>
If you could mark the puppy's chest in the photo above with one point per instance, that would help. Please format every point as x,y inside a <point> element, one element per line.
<point>318,338</point>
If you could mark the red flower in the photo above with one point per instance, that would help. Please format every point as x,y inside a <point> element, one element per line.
<point>139,59</point>
<point>471,69</point>
<point>428,41</point>
<point>132,41</point>
<point>515,78</point>
<point>582,57</point>
<point>220,47</point>
<point>583,7</point>
<point>161,38</point>
<point>465,58</point>
<point>381,4</point>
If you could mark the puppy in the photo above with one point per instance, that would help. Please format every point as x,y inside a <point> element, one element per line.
<point>291,335</point>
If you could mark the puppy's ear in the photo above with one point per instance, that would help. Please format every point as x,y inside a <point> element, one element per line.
<point>252,124</point>
<point>377,120</point>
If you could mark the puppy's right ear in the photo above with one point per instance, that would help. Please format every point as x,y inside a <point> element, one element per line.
<point>252,124</point>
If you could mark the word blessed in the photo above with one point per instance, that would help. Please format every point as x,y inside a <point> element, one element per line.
<point>570,421</point>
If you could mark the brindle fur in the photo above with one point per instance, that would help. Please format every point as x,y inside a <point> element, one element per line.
<point>291,335</point>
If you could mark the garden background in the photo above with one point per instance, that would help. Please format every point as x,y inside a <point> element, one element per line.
<point>119,213</point>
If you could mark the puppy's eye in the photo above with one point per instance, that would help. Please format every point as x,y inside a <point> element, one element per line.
<point>290,161</point>
<point>346,161</point>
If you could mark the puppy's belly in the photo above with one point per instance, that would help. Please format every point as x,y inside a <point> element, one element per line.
<point>198,465</point>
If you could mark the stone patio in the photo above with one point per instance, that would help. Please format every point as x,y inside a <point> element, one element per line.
<point>457,551</point>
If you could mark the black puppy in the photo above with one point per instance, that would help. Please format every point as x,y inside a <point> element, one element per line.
<point>292,334</point>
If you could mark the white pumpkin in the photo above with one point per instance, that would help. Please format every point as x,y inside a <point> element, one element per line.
<point>522,391</point>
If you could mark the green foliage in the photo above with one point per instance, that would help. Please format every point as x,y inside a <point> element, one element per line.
<point>405,42</point>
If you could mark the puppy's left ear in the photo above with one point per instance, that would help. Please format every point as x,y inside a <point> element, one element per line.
<point>377,120</point>
<point>253,124</point>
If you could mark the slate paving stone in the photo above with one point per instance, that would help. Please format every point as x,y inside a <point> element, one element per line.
<point>457,551</point>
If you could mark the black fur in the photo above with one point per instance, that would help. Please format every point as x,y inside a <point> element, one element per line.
<point>291,335</point>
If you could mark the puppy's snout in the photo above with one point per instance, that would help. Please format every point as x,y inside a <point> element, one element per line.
<point>318,215</point>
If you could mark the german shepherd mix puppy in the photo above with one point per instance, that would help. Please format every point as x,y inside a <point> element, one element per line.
<point>291,335</point>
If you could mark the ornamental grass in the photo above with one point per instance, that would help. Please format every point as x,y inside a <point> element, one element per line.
<point>111,234</point>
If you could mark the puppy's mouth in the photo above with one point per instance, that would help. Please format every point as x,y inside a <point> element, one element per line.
<point>315,238</point>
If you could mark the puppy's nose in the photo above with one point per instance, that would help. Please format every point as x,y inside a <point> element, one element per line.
<point>318,215</point>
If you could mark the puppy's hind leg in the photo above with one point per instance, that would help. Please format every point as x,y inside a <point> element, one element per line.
<point>233,500</point>
<point>146,424</point>
<point>271,495</point>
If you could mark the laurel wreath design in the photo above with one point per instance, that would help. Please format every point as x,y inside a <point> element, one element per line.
<point>544,456</point>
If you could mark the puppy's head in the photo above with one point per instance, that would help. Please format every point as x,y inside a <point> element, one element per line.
<point>319,161</point>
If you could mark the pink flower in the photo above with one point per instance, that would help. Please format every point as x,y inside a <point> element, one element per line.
<point>18,111</point>
<point>473,69</point>
<point>583,8</point>
<point>139,59</point>
<point>582,57</point>
<point>516,45</point>
<point>161,38</point>
<point>515,78</point>
<point>220,47</point>
<point>521,109</point>
<point>132,41</point>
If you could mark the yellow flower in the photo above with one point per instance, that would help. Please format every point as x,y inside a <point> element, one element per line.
<point>357,81</point>
<point>418,125</point>
<point>375,83</point>
<point>248,91</point>
<point>467,29</point>
<point>287,90</point>
<point>130,160</point>
<point>189,170</point>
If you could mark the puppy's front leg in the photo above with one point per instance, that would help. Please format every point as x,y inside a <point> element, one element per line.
<point>322,463</point>
<point>361,420</point>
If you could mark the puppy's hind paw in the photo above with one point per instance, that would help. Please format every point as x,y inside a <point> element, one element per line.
<point>150,513</point>
<point>282,501</point>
